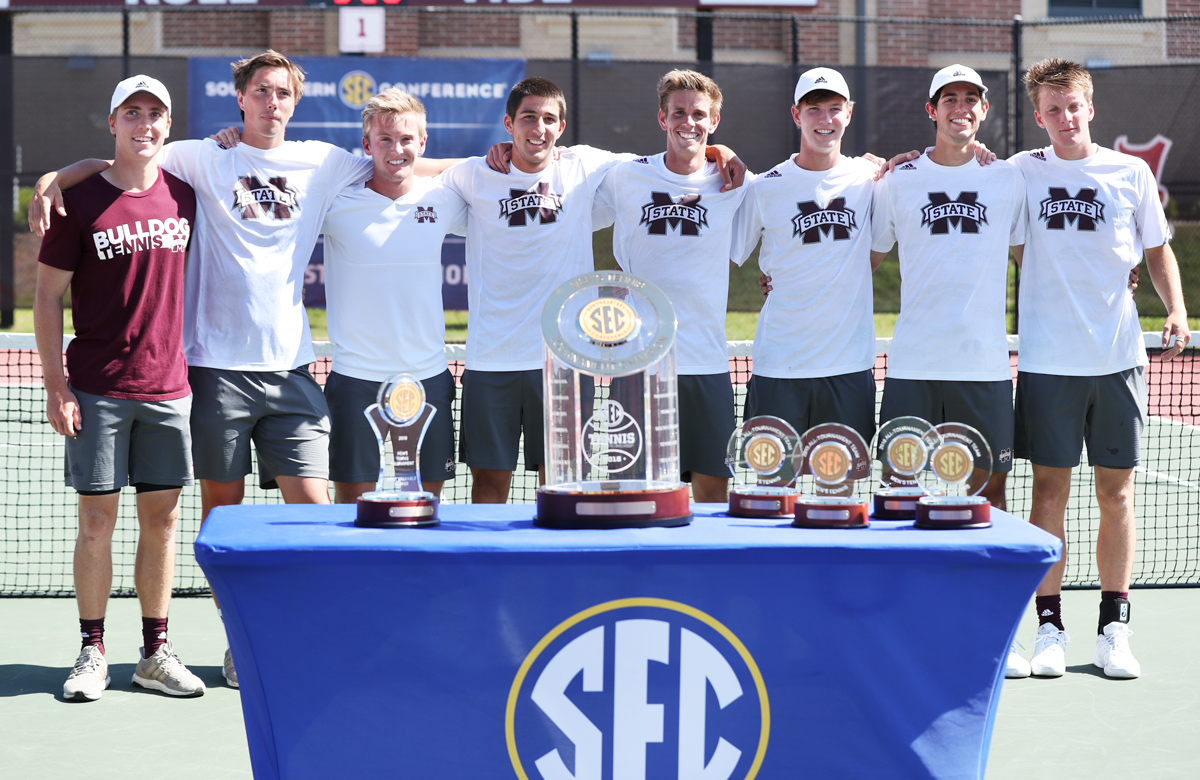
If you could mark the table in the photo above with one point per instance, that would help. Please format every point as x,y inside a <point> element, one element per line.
<point>731,648</point>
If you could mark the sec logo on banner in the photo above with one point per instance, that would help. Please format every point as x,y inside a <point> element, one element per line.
<point>638,688</point>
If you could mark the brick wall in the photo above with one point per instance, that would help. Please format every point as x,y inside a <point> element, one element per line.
<point>1183,38</point>
<point>298,32</point>
<point>459,29</point>
<point>232,29</point>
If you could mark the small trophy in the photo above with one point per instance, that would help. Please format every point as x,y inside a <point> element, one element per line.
<point>834,474</point>
<point>401,415</point>
<point>959,469</point>
<point>759,456</point>
<point>902,447</point>
<point>612,421</point>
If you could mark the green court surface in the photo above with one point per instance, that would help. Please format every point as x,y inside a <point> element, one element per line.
<point>1082,725</point>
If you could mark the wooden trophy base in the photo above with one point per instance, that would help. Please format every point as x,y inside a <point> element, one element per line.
<point>832,512</point>
<point>763,502</point>
<point>651,507</point>
<point>897,503</point>
<point>953,512</point>
<point>397,509</point>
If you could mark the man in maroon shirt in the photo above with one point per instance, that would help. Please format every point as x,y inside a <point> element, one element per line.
<point>124,410</point>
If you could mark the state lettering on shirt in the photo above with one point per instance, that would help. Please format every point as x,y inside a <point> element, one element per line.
<point>964,213</point>
<point>257,200</point>
<point>425,214</point>
<point>664,213</point>
<point>1081,210</point>
<point>813,222</point>
<point>528,207</point>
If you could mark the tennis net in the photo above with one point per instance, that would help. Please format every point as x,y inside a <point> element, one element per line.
<point>38,526</point>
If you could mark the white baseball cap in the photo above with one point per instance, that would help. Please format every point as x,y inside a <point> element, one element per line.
<point>135,84</point>
<point>821,78</point>
<point>953,73</point>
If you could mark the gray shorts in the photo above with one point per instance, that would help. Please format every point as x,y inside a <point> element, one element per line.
<point>1057,415</point>
<point>282,412</point>
<point>126,442</point>
<point>706,421</point>
<point>985,406</point>
<point>848,399</point>
<point>496,407</point>
<point>353,448</point>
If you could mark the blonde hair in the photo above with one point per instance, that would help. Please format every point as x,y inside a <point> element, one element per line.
<point>244,70</point>
<point>393,102</point>
<point>1057,73</point>
<point>688,81</point>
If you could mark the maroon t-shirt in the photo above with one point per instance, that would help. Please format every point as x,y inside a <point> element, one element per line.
<point>127,251</point>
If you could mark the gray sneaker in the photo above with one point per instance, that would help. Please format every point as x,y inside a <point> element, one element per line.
<point>89,678</point>
<point>164,672</point>
<point>228,670</point>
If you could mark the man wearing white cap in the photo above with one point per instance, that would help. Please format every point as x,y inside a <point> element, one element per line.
<point>814,347</point>
<point>124,410</point>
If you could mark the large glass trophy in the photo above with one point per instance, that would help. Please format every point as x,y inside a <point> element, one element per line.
<point>901,450</point>
<point>760,458</point>
<point>833,470</point>
<point>612,425</point>
<point>399,416</point>
<point>959,470</point>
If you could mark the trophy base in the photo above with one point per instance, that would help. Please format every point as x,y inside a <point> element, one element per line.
<point>830,512</point>
<point>590,505</point>
<point>397,509</point>
<point>953,512</point>
<point>897,503</point>
<point>762,502</point>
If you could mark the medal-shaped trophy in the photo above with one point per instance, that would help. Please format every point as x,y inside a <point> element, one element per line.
<point>612,425</point>
<point>834,477</point>
<point>901,449</point>
<point>401,416</point>
<point>760,457</point>
<point>959,470</point>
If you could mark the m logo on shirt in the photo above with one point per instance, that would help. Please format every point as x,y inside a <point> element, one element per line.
<point>426,214</point>
<point>963,213</point>
<point>257,200</point>
<point>685,215</point>
<point>1083,211</point>
<point>813,222</point>
<point>523,207</point>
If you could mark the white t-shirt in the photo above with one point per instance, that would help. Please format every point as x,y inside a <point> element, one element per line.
<point>815,227</point>
<point>258,215</point>
<point>527,233</point>
<point>1088,222</point>
<point>954,226</point>
<point>383,279</point>
<point>675,230</point>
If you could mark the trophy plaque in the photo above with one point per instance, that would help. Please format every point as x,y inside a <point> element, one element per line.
<point>400,416</point>
<point>760,457</point>
<point>834,476</point>
<point>901,448</point>
<point>959,470</point>
<point>612,424</point>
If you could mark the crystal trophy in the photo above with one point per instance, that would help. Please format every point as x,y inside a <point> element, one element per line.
<point>834,478</point>
<point>901,450</point>
<point>400,416</point>
<point>959,470</point>
<point>760,457</point>
<point>612,424</point>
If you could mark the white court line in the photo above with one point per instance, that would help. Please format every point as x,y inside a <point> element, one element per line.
<point>1173,422</point>
<point>1166,477</point>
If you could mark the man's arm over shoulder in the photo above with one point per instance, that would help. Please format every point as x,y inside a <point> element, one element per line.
<point>47,193</point>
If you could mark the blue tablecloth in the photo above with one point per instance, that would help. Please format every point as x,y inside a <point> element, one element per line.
<point>487,648</point>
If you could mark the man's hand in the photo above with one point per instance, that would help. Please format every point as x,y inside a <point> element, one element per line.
<point>764,284</point>
<point>890,165</point>
<point>46,193</point>
<point>1175,326</point>
<point>62,409</point>
<point>227,137</point>
<point>733,170</point>
<point>498,157</point>
<point>1133,278</point>
<point>984,155</point>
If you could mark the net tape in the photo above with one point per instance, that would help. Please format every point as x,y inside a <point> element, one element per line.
<point>38,527</point>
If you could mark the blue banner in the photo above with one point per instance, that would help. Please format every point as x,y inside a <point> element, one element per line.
<point>464,104</point>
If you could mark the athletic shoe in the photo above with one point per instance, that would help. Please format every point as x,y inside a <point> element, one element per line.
<point>1113,654</point>
<point>164,672</point>
<point>1049,652</point>
<point>228,670</point>
<point>1016,666</point>
<point>89,678</point>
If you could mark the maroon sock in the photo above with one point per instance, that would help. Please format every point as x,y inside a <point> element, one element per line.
<point>1049,610</point>
<point>92,633</point>
<point>1114,594</point>
<point>154,634</point>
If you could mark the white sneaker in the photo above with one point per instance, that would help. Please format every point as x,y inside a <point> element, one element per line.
<point>1113,654</point>
<point>228,670</point>
<point>89,678</point>
<point>1016,666</point>
<point>1049,652</point>
<point>163,671</point>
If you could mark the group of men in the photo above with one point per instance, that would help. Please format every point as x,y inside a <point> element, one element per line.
<point>178,366</point>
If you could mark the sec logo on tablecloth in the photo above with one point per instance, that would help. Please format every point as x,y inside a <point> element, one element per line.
<point>638,689</point>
